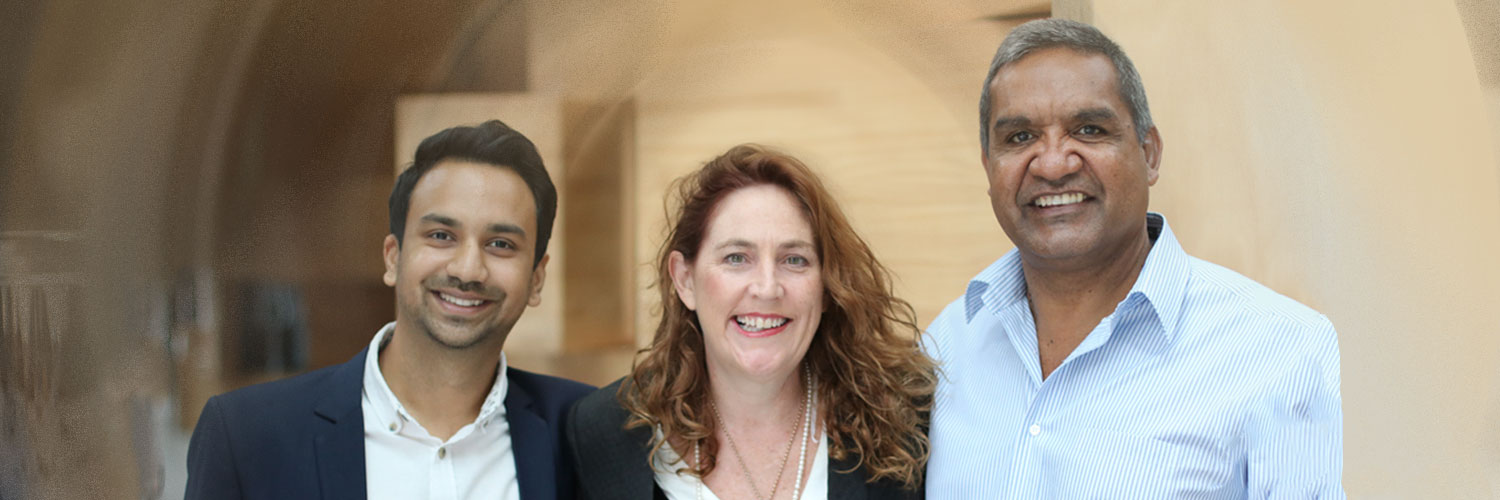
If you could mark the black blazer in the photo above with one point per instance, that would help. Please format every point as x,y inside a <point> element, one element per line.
<point>304,437</point>
<point>611,461</point>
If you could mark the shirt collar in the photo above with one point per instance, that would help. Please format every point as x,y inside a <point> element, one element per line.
<point>390,410</point>
<point>1163,279</point>
<point>1162,282</point>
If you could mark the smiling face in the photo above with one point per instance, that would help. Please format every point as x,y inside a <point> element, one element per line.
<point>1068,177</point>
<point>464,272</point>
<point>756,284</point>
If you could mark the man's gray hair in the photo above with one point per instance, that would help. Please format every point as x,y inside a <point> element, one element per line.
<point>1047,33</point>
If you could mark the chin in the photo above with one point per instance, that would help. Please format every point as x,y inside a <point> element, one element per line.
<point>1060,246</point>
<point>456,338</point>
<point>761,364</point>
<point>1057,252</point>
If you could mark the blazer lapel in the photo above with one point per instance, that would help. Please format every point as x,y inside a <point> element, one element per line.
<point>340,441</point>
<point>530,446</point>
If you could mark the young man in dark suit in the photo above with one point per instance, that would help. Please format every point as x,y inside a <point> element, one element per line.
<point>430,409</point>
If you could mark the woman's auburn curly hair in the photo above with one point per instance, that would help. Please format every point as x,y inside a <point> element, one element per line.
<point>875,383</point>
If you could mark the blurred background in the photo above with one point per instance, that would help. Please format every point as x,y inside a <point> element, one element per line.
<point>192,194</point>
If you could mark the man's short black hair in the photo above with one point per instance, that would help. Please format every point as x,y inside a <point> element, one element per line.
<point>494,143</point>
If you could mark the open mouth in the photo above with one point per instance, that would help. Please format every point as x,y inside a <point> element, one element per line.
<point>759,324</point>
<point>459,301</point>
<point>1058,200</point>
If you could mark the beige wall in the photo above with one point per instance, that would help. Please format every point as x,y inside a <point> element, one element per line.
<point>1481,21</point>
<point>1340,152</point>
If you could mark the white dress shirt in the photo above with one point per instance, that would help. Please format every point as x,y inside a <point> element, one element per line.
<point>403,461</point>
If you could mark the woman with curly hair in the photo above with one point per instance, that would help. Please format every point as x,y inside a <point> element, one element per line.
<point>783,365</point>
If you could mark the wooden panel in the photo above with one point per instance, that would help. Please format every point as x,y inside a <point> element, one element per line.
<point>600,293</point>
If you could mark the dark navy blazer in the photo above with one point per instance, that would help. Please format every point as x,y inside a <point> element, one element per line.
<point>304,437</point>
<point>611,460</point>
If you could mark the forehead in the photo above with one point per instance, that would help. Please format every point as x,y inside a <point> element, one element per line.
<point>475,192</point>
<point>761,212</point>
<point>1056,79</point>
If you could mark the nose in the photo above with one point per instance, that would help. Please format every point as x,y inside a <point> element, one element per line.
<point>467,265</point>
<point>1058,159</point>
<point>766,284</point>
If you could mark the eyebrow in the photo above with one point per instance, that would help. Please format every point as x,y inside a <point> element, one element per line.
<point>498,227</point>
<point>737,243</point>
<point>802,244</point>
<point>441,220</point>
<point>507,229</point>
<point>1095,115</point>
<point>1007,122</point>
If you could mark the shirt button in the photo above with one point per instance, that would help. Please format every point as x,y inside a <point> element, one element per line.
<point>442,452</point>
<point>1035,429</point>
<point>393,427</point>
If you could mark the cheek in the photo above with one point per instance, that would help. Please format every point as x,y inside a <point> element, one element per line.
<point>1118,162</point>
<point>1005,179</point>
<point>809,292</point>
<point>1129,175</point>
<point>409,273</point>
<point>510,277</point>
<point>713,290</point>
<point>424,262</point>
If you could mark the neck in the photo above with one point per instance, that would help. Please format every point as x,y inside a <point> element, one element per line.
<point>764,417</point>
<point>771,403</point>
<point>443,388</point>
<point>1068,301</point>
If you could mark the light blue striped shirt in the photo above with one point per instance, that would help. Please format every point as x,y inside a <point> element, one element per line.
<point>1201,384</point>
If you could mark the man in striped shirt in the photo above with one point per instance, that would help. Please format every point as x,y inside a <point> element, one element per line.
<point>1098,359</point>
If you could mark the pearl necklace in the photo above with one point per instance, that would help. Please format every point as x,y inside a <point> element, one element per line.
<point>808,409</point>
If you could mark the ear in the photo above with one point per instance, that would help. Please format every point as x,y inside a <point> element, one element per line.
<point>682,279</point>
<point>392,253</point>
<point>987,162</point>
<point>1151,147</point>
<point>538,278</point>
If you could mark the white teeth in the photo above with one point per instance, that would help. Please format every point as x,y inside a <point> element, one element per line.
<point>462,302</point>
<point>758,323</point>
<point>1059,199</point>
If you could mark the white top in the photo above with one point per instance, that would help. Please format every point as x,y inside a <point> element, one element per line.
<point>403,461</point>
<point>685,486</point>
